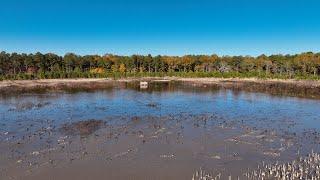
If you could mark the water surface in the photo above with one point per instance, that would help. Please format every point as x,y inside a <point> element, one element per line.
<point>167,131</point>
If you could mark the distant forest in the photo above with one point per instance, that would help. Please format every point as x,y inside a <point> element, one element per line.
<point>47,66</point>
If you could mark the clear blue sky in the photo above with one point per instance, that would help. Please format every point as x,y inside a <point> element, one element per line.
<point>173,27</point>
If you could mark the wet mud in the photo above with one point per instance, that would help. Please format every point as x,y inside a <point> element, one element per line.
<point>82,128</point>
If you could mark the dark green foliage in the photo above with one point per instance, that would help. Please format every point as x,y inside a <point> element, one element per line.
<point>52,66</point>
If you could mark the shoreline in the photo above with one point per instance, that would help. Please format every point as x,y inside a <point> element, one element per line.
<point>69,82</point>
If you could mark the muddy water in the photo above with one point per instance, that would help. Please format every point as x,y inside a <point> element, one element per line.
<point>167,131</point>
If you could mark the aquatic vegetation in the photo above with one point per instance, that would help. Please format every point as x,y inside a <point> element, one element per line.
<point>301,168</point>
<point>83,128</point>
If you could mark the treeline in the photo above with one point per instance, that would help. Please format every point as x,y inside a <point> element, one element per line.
<point>40,66</point>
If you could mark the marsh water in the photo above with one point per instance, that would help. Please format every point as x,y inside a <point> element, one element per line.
<point>167,131</point>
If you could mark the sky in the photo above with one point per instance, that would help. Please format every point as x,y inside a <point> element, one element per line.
<point>160,27</point>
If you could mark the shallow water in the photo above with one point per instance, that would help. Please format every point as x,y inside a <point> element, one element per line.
<point>167,131</point>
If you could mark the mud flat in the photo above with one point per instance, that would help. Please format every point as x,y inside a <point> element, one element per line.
<point>303,83</point>
<point>171,130</point>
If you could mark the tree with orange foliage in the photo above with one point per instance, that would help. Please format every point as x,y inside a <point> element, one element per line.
<point>122,68</point>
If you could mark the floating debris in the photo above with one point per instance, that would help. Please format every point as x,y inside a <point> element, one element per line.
<point>167,156</point>
<point>62,140</point>
<point>152,105</point>
<point>29,106</point>
<point>143,85</point>
<point>121,154</point>
<point>272,153</point>
<point>216,157</point>
<point>35,153</point>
